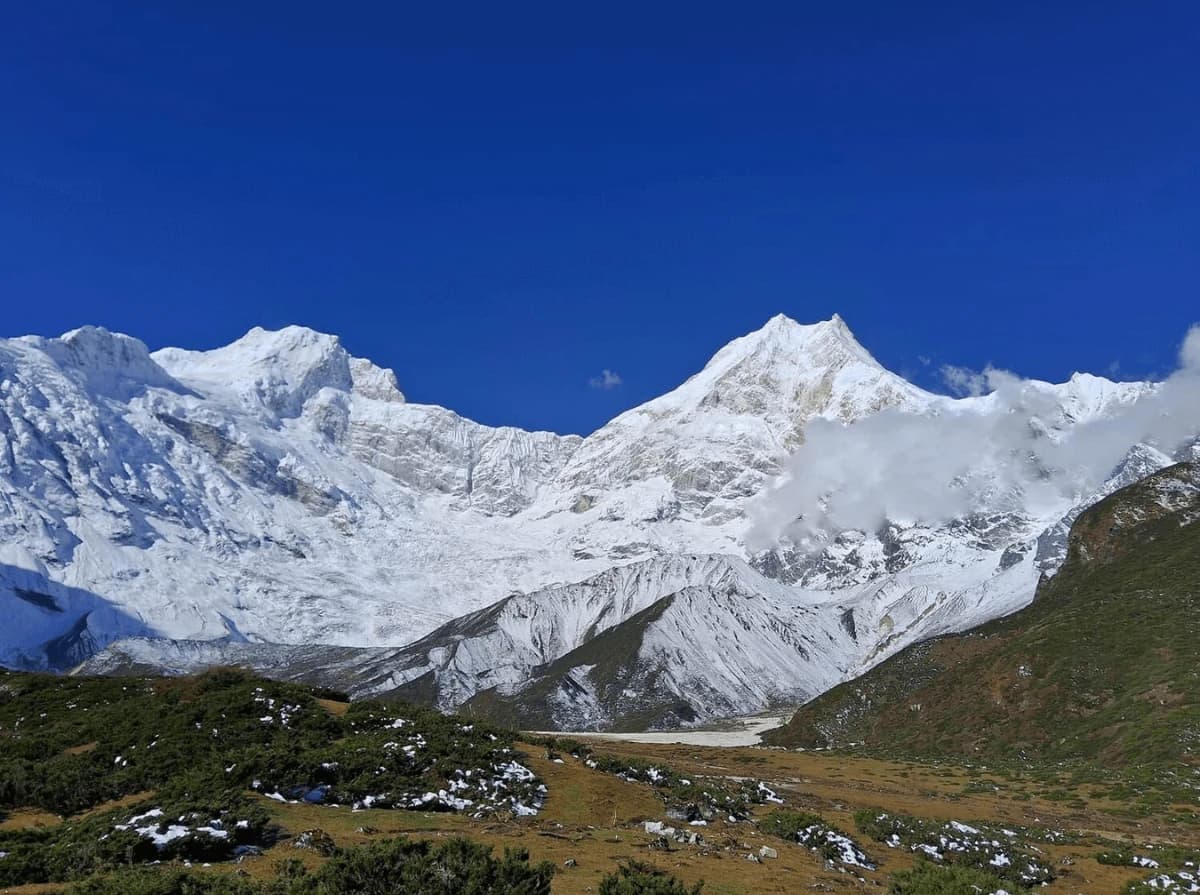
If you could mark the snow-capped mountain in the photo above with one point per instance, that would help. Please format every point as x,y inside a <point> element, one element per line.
<point>278,493</point>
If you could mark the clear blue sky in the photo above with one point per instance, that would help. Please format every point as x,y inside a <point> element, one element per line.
<point>500,204</point>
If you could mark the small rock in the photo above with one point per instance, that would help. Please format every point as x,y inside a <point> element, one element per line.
<point>570,862</point>
<point>315,840</point>
<point>767,852</point>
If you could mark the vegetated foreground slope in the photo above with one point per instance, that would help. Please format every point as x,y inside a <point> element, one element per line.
<point>230,785</point>
<point>1104,665</point>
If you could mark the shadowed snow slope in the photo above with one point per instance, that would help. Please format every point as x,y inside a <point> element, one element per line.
<point>278,492</point>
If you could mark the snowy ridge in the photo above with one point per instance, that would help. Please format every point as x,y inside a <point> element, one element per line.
<point>281,492</point>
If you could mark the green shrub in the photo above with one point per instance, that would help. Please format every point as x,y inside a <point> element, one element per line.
<point>216,825</point>
<point>1165,858</point>
<point>140,734</point>
<point>691,799</point>
<point>564,745</point>
<point>394,867</point>
<point>419,867</point>
<point>811,831</point>
<point>148,881</point>
<point>638,878</point>
<point>789,824</point>
<point>926,878</point>
<point>999,853</point>
<point>69,744</point>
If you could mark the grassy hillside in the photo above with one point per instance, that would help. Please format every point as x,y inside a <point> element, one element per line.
<point>1104,665</point>
<point>231,785</point>
<point>145,770</point>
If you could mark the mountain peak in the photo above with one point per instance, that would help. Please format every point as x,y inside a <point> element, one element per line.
<point>283,368</point>
<point>752,400</point>
<point>823,346</point>
<point>783,321</point>
<point>789,372</point>
<point>280,369</point>
<point>294,345</point>
<point>108,363</point>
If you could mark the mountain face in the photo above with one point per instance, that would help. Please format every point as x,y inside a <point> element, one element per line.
<point>279,503</point>
<point>1105,664</point>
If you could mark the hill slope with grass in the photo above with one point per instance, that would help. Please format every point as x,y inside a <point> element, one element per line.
<point>1103,666</point>
<point>227,784</point>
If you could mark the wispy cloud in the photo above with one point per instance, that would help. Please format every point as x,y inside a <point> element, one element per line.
<point>606,381</point>
<point>965,381</point>
<point>1189,354</point>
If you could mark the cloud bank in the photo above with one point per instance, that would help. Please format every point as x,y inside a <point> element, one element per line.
<point>1012,448</point>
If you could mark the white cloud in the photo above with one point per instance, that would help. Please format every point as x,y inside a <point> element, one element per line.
<point>606,381</point>
<point>964,380</point>
<point>932,467</point>
<point>1189,354</point>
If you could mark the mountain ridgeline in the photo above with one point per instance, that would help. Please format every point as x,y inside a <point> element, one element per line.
<point>280,504</point>
<point>1104,665</point>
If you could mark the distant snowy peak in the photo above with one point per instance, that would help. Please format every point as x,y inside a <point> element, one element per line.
<point>102,363</point>
<point>280,370</point>
<point>789,372</point>
<point>1085,396</point>
<point>727,428</point>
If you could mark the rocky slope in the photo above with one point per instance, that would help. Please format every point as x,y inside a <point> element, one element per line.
<point>280,501</point>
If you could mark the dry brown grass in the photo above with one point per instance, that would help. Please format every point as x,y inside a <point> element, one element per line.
<point>29,819</point>
<point>119,803</point>
<point>334,707</point>
<point>595,819</point>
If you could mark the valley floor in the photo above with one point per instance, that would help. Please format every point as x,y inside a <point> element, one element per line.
<point>746,731</point>
<point>596,820</point>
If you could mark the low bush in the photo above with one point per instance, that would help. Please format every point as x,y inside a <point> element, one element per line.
<point>1153,857</point>
<point>419,867</point>
<point>395,867</point>
<point>927,878</point>
<point>699,799</point>
<point>639,878</point>
<point>999,852</point>
<point>68,745</point>
<point>201,828</point>
<point>156,881</point>
<point>811,831</point>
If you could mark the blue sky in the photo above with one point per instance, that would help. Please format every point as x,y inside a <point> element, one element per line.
<point>500,204</point>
